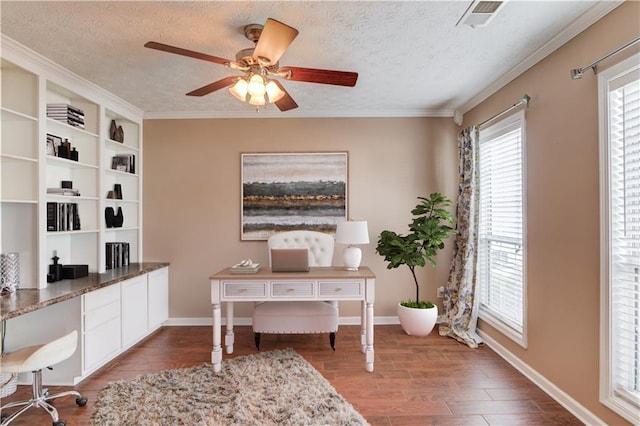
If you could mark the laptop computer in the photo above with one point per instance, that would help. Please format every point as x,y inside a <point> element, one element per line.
<point>290,260</point>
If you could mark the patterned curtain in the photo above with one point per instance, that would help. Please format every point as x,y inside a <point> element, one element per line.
<point>460,313</point>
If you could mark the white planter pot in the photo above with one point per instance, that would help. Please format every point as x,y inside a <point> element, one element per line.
<point>417,322</point>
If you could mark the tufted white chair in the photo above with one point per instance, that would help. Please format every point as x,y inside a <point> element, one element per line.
<point>299,317</point>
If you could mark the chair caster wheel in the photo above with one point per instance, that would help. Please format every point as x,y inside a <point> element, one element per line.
<point>60,422</point>
<point>81,401</point>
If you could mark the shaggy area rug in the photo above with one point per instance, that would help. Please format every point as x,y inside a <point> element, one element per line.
<point>272,388</point>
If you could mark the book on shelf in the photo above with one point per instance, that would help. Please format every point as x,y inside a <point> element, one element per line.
<point>249,269</point>
<point>64,191</point>
<point>57,107</point>
<point>63,217</point>
<point>67,114</point>
<point>117,255</point>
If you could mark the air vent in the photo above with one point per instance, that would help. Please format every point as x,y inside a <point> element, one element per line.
<point>480,13</point>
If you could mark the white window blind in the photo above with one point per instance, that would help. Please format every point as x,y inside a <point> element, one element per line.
<point>501,232</point>
<point>621,253</point>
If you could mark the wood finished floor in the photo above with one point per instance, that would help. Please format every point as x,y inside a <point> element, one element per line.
<point>417,381</point>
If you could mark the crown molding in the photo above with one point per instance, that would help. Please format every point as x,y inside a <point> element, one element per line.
<point>273,113</point>
<point>583,22</point>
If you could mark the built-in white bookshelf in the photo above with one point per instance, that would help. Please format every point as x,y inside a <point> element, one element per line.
<point>28,167</point>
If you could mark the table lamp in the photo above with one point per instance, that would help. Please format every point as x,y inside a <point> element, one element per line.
<point>352,232</point>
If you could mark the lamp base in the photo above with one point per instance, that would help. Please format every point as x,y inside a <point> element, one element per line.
<point>351,258</point>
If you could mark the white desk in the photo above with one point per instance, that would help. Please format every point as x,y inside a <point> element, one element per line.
<point>321,283</point>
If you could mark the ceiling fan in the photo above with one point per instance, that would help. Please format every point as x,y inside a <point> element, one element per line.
<point>260,64</point>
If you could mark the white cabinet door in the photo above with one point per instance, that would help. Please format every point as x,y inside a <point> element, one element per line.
<point>158,289</point>
<point>134,310</point>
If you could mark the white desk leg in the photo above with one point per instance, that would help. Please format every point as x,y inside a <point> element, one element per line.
<point>363,326</point>
<point>369,351</point>
<point>216,353</point>
<point>229,338</point>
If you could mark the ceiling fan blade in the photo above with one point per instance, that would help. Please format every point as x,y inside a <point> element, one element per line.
<point>216,85</point>
<point>185,52</point>
<point>273,41</point>
<point>286,102</point>
<point>313,75</point>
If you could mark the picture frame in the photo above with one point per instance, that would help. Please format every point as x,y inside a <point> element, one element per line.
<point>53,143</point>
<point>292,191</point>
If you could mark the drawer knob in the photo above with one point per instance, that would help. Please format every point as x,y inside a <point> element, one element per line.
<point>243,290</point>
<point>291,290</point>
<point>338,289</point>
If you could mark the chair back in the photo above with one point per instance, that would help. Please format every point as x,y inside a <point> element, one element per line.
<point>320,245</point>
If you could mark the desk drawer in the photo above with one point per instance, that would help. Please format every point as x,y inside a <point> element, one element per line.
<point>295,289</point>
<point>102,297</point>
<point>244,289</point>
<point>98,316</point>
<point>330,290</point>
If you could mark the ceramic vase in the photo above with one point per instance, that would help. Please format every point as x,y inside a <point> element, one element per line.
<point>417,322</point>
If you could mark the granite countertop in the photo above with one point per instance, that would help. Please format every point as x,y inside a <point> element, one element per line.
<point>23,301</point>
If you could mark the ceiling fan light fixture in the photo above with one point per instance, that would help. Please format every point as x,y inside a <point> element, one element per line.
<point>256,86</point>
<point>257,100</point>
<point>274,93</point>
<point>240,89</point>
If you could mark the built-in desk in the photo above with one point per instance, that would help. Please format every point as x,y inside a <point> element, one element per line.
<point>111,312</point>
<point>321,283</point>
<point>28,300</point>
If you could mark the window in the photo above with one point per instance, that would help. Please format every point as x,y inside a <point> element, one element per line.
<point>501,236</point>
<point>619,99</point>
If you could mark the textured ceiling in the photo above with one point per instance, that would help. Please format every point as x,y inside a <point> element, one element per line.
<point>411,57</point>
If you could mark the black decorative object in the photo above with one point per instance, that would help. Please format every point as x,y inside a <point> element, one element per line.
<point>119,135</point>
<point>66,184</point>
<point>109,217</point>
<point>119,219</point>
<point>55,270</point>
<point>64,150</point>
<point>117,189</point>
<point>112,130</point>
<point>116,132</point>
<point>70,272</point>
<point>73,155</point>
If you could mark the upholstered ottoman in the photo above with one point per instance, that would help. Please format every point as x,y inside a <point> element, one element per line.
<point>296,318</point>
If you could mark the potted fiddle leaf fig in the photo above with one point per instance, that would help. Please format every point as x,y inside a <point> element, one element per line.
<point>432,224</point>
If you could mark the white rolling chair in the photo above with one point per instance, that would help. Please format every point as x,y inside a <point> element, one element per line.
<point>299,317</point>
<point>34,359</point>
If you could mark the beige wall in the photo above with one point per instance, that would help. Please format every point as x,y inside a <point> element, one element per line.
<point>192,198</point>
<point>563,201</point>
<point>192,194</point>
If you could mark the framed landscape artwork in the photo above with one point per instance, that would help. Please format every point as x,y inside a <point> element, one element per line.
<point>292,191</point>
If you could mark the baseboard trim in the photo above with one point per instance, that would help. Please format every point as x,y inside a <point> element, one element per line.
<point>247,321</point>
<point>561,397</point>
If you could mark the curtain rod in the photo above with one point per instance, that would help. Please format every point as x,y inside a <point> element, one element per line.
<point>523,100</point>
<point>577,73</point>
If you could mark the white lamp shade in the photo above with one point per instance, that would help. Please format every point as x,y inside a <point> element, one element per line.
<point>256,86</point>
<point>257,100</point>
<point>273,92</point>
<point>352,232</point>
<point>239,90</point>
